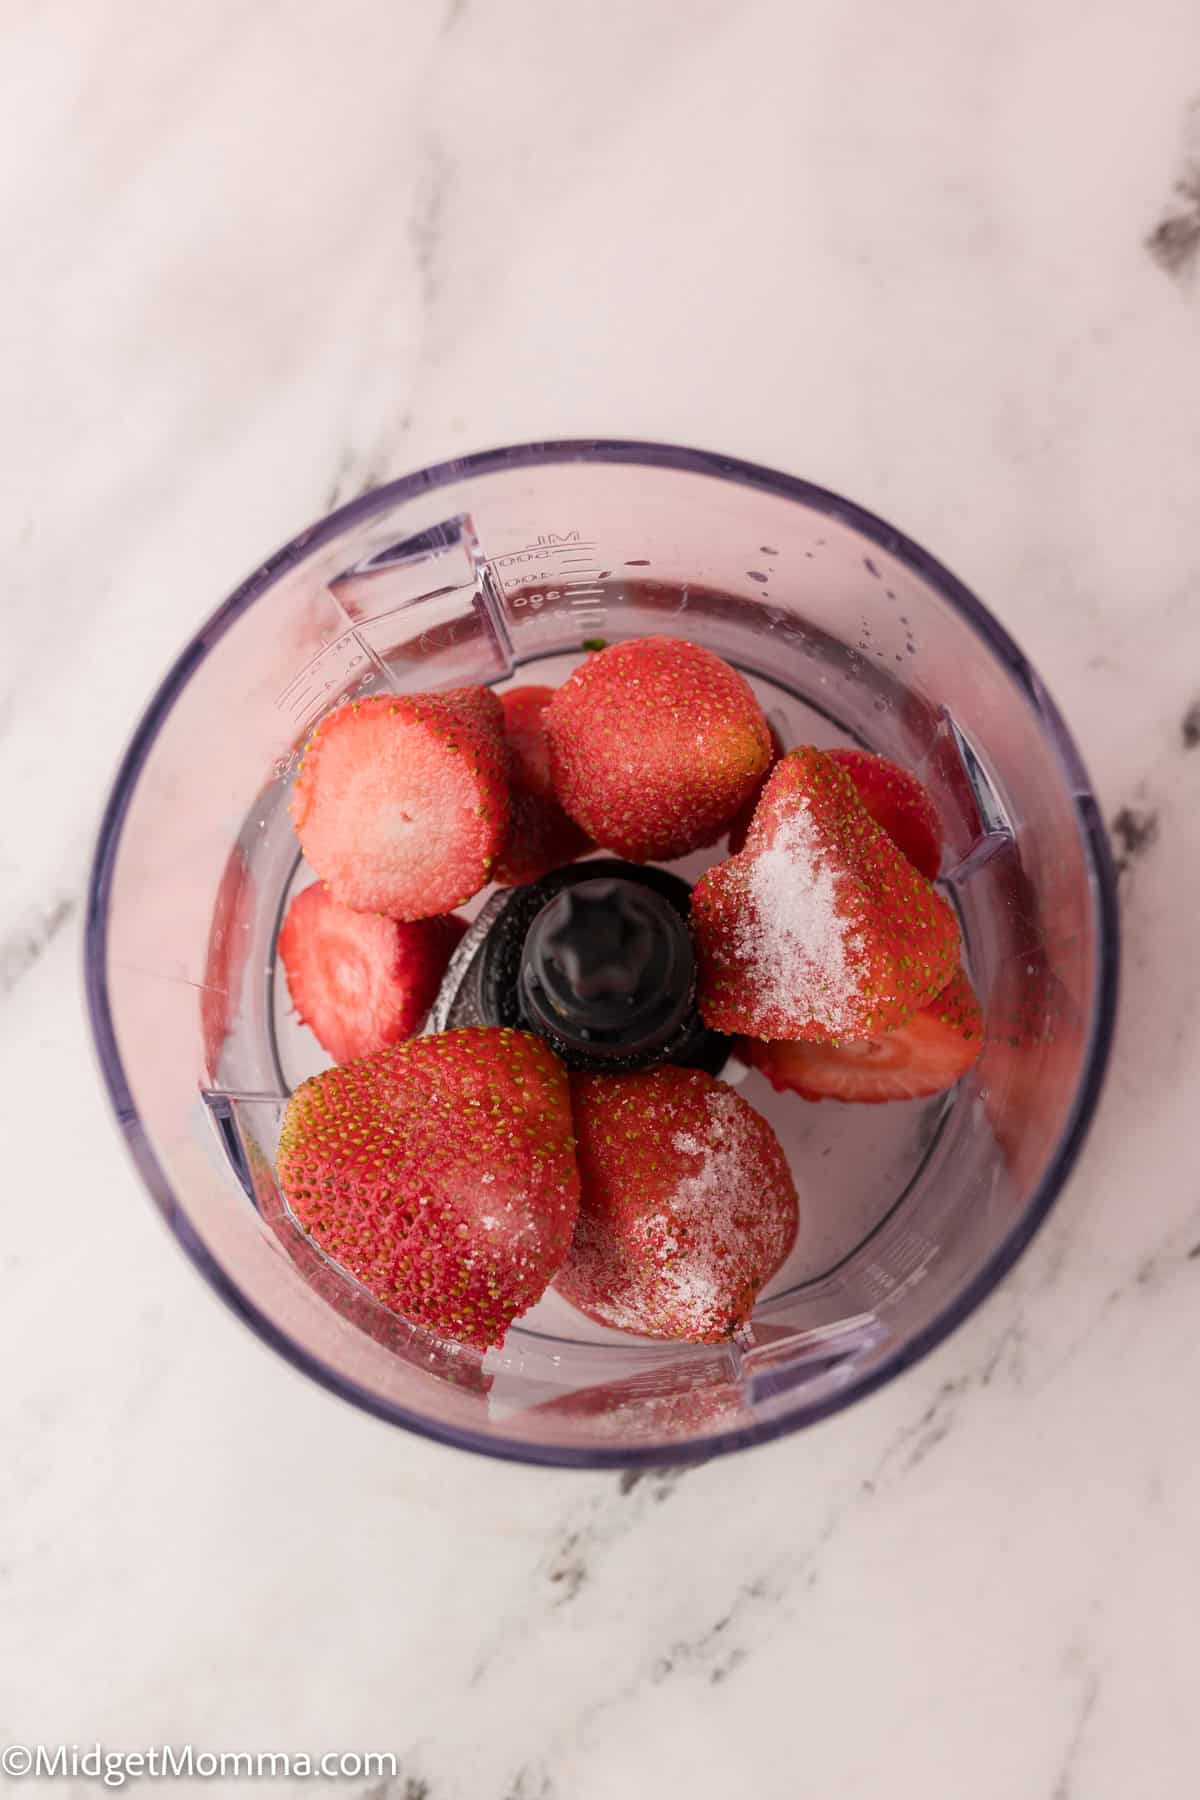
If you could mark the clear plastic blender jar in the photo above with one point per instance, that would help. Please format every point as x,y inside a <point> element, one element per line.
<point>502,568</point>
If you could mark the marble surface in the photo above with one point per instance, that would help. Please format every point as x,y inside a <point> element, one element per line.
<point>944,258</point>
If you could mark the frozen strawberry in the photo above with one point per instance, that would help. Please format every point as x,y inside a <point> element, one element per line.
<point>477,706</point>
<point>441,1174</point>
<point>894,798</point>
<point>819,929</point>
<point>401,804</point>
<point>687,1206</point>
<point>740,824</point>
<point>899,804</point>
<point>541,837</point>
<point>654,745</point>
<point>357,980</point>
<point>524,712</point>
<point>928,1055</point>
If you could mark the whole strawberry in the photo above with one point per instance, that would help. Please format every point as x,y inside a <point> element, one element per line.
<point>654,745</point>
<point>687,1206</point>
<point>819,929</point>
<point>441,1174</point>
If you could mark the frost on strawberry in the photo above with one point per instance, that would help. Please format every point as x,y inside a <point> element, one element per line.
<point>401,804</point>
<point>819,929</point>
<point>654,745</point>
<point>687,1205</point>
<point>441,1174</point>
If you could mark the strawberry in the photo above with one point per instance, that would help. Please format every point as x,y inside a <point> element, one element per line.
<point>687,1205</point>
<point>928,1055</point>
<point>477,706</point>
<point>899,804</point>
<point>440,1173</point>
<point>358,980</point>
<point>739,827</point>
<point>654,745</point>
<point>524,714</point>
<point>541,836</point>
<point>819,929</point>
<point>401,804</point>
<point>892,795</point>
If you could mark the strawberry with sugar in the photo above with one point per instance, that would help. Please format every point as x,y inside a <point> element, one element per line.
<point>937,1047</point>
<point>441,1174</point>
<point>687,1206</point>
<point>401,804</point>
<point>357,980</point>
<point>819,929</point>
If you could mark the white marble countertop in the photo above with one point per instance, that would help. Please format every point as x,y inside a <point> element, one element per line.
<point>939,257</point>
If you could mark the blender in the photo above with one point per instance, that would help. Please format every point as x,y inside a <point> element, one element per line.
<point>508,567</point>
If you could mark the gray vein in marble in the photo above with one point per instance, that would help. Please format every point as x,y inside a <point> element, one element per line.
<point>1190,728</point>
<point>454,13</point>
<point>425,226</point>
<point>21,948</point>
<point>661,1483</point>
<point>1134,831</point>
<point>354,477</point>
<point>1064,1785</point>
<point>401,1787</point>
<point>1174,243</point>
<point>530,1783</point>
<point>713,1648</point>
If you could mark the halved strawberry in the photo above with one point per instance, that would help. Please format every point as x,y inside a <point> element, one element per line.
<point>477,706</point>
<point>401,804</point>
<point>357,980</point>
<point>820,929</point>
<point>926,1056</point>
<point>899,804</point>
<point>441,1174</point>
<point>541,837</point>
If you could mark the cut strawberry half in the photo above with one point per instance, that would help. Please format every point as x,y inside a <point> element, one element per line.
<point>928,1055</point>
<point>898,804</point>
<point>357,980</point>
<point>541,837</point>
<point>401,804</point>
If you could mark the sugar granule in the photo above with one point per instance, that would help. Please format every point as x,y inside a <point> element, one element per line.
<point>799,948</point>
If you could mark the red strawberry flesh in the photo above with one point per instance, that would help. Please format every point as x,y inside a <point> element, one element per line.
<point>358,980</point>
<point>687,1206</point>
<point>441,1174</point>
<point>401,804</point>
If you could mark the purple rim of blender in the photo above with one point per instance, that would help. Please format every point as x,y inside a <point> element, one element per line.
<point>655,456</point>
